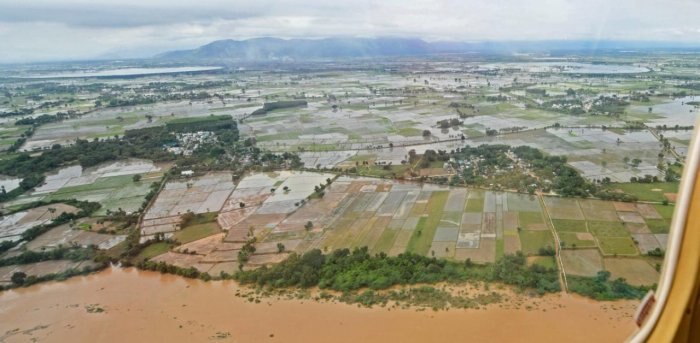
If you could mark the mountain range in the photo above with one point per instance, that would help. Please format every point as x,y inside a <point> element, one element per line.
<point>270,49</point>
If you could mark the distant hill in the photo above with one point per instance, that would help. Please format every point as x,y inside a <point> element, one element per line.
<point>260,49</point>
<point>268,49</point>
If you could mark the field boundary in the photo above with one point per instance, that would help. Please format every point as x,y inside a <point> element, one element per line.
<point>557,243</point>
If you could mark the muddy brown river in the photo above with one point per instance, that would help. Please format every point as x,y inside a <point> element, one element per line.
<point>127,305</point>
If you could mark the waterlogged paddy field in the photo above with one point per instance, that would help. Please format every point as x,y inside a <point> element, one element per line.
<point>354,112</point>
<point>454,223</point>
<point>111,184</point>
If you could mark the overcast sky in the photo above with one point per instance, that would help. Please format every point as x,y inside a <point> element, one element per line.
<point>37,30</point>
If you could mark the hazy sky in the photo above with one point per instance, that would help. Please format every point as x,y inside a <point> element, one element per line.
<point>34,30</point>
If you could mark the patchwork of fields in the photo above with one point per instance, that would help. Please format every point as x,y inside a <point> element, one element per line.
<point>394,217</point>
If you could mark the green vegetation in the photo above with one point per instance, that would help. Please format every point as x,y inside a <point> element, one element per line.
<point>474,205</point>
<point>528,218</point>
<point>666,211</point>
<point>607,229</point>
<point>533,240</point>
<point>60,253</point>
<point>195,232</point>
<point>548,262</point>
<point>271,106</point>
<point>601,287</point>
<point>154,250</point>
<point>617,246</point>
<point>193,124</point>
<point>385,241</point>
<point>422,236</point>
<point>571,241</point>
<point>568,225</point>
<point>647,191</point>
<point>658,225</point>
<point>343,270</point>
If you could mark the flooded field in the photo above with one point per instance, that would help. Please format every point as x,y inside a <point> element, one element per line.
<point>119,305</point>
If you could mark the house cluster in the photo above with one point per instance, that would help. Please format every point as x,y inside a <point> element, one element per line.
<point>189,142</point>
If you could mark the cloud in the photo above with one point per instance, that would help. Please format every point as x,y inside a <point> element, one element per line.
<point>49,29</point>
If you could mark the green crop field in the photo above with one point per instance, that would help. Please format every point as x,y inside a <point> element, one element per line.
<point>568,225</point>
<point>647,191</point>
<point>532,240</point>
<point>422,237</point>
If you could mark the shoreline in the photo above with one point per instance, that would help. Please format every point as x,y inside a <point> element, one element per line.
<point>129,304</point>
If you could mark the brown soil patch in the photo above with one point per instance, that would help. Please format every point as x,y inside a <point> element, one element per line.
<point>180,260</point>
<point>485,253</point>
<point>582,262</point>
<point>229,219</point>
<point>637,272</point>
<point>631,217</point>
<point>624,206</point>
<point>648,212</point>
<point>489,224</point>
<point>637,228</point>
<point>645,242</point>
<point>202,246</point>
<point>600,215</point>
<point>511,244</point>
<point>42,213</point>
<point>584,236</point>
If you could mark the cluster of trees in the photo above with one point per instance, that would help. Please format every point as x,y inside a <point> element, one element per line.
<point>567,106</point>
<point>431,156</point>
<point>109,100</point>
<point>142,143</point>
<point>210,123</point>
<point>645,179</point>
<point>566,180</point>
<point>18,112</point>
<point>610,105</point>
<point>165,268</point>
<point>29,182</point>
<point>345,270</point>
<point>60,253</point>
<point>446,124</point>
<point>601,287</point>
<point>47,118</point>
<point>275,105</point>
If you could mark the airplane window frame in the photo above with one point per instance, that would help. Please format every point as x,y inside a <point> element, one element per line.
<point>676,233</point>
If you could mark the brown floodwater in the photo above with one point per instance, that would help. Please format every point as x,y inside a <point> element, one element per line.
<point>142,306</point>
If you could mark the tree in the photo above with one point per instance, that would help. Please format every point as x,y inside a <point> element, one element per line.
<point>241,204</point>
<point>18,278</point>
<point>136,178</point>
<point>309,225</point>
<point>426,133</point>
<point>280,247</point>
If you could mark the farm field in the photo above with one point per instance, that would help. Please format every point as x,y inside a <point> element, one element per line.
<point>394,217</point>
<point>110,184</point>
